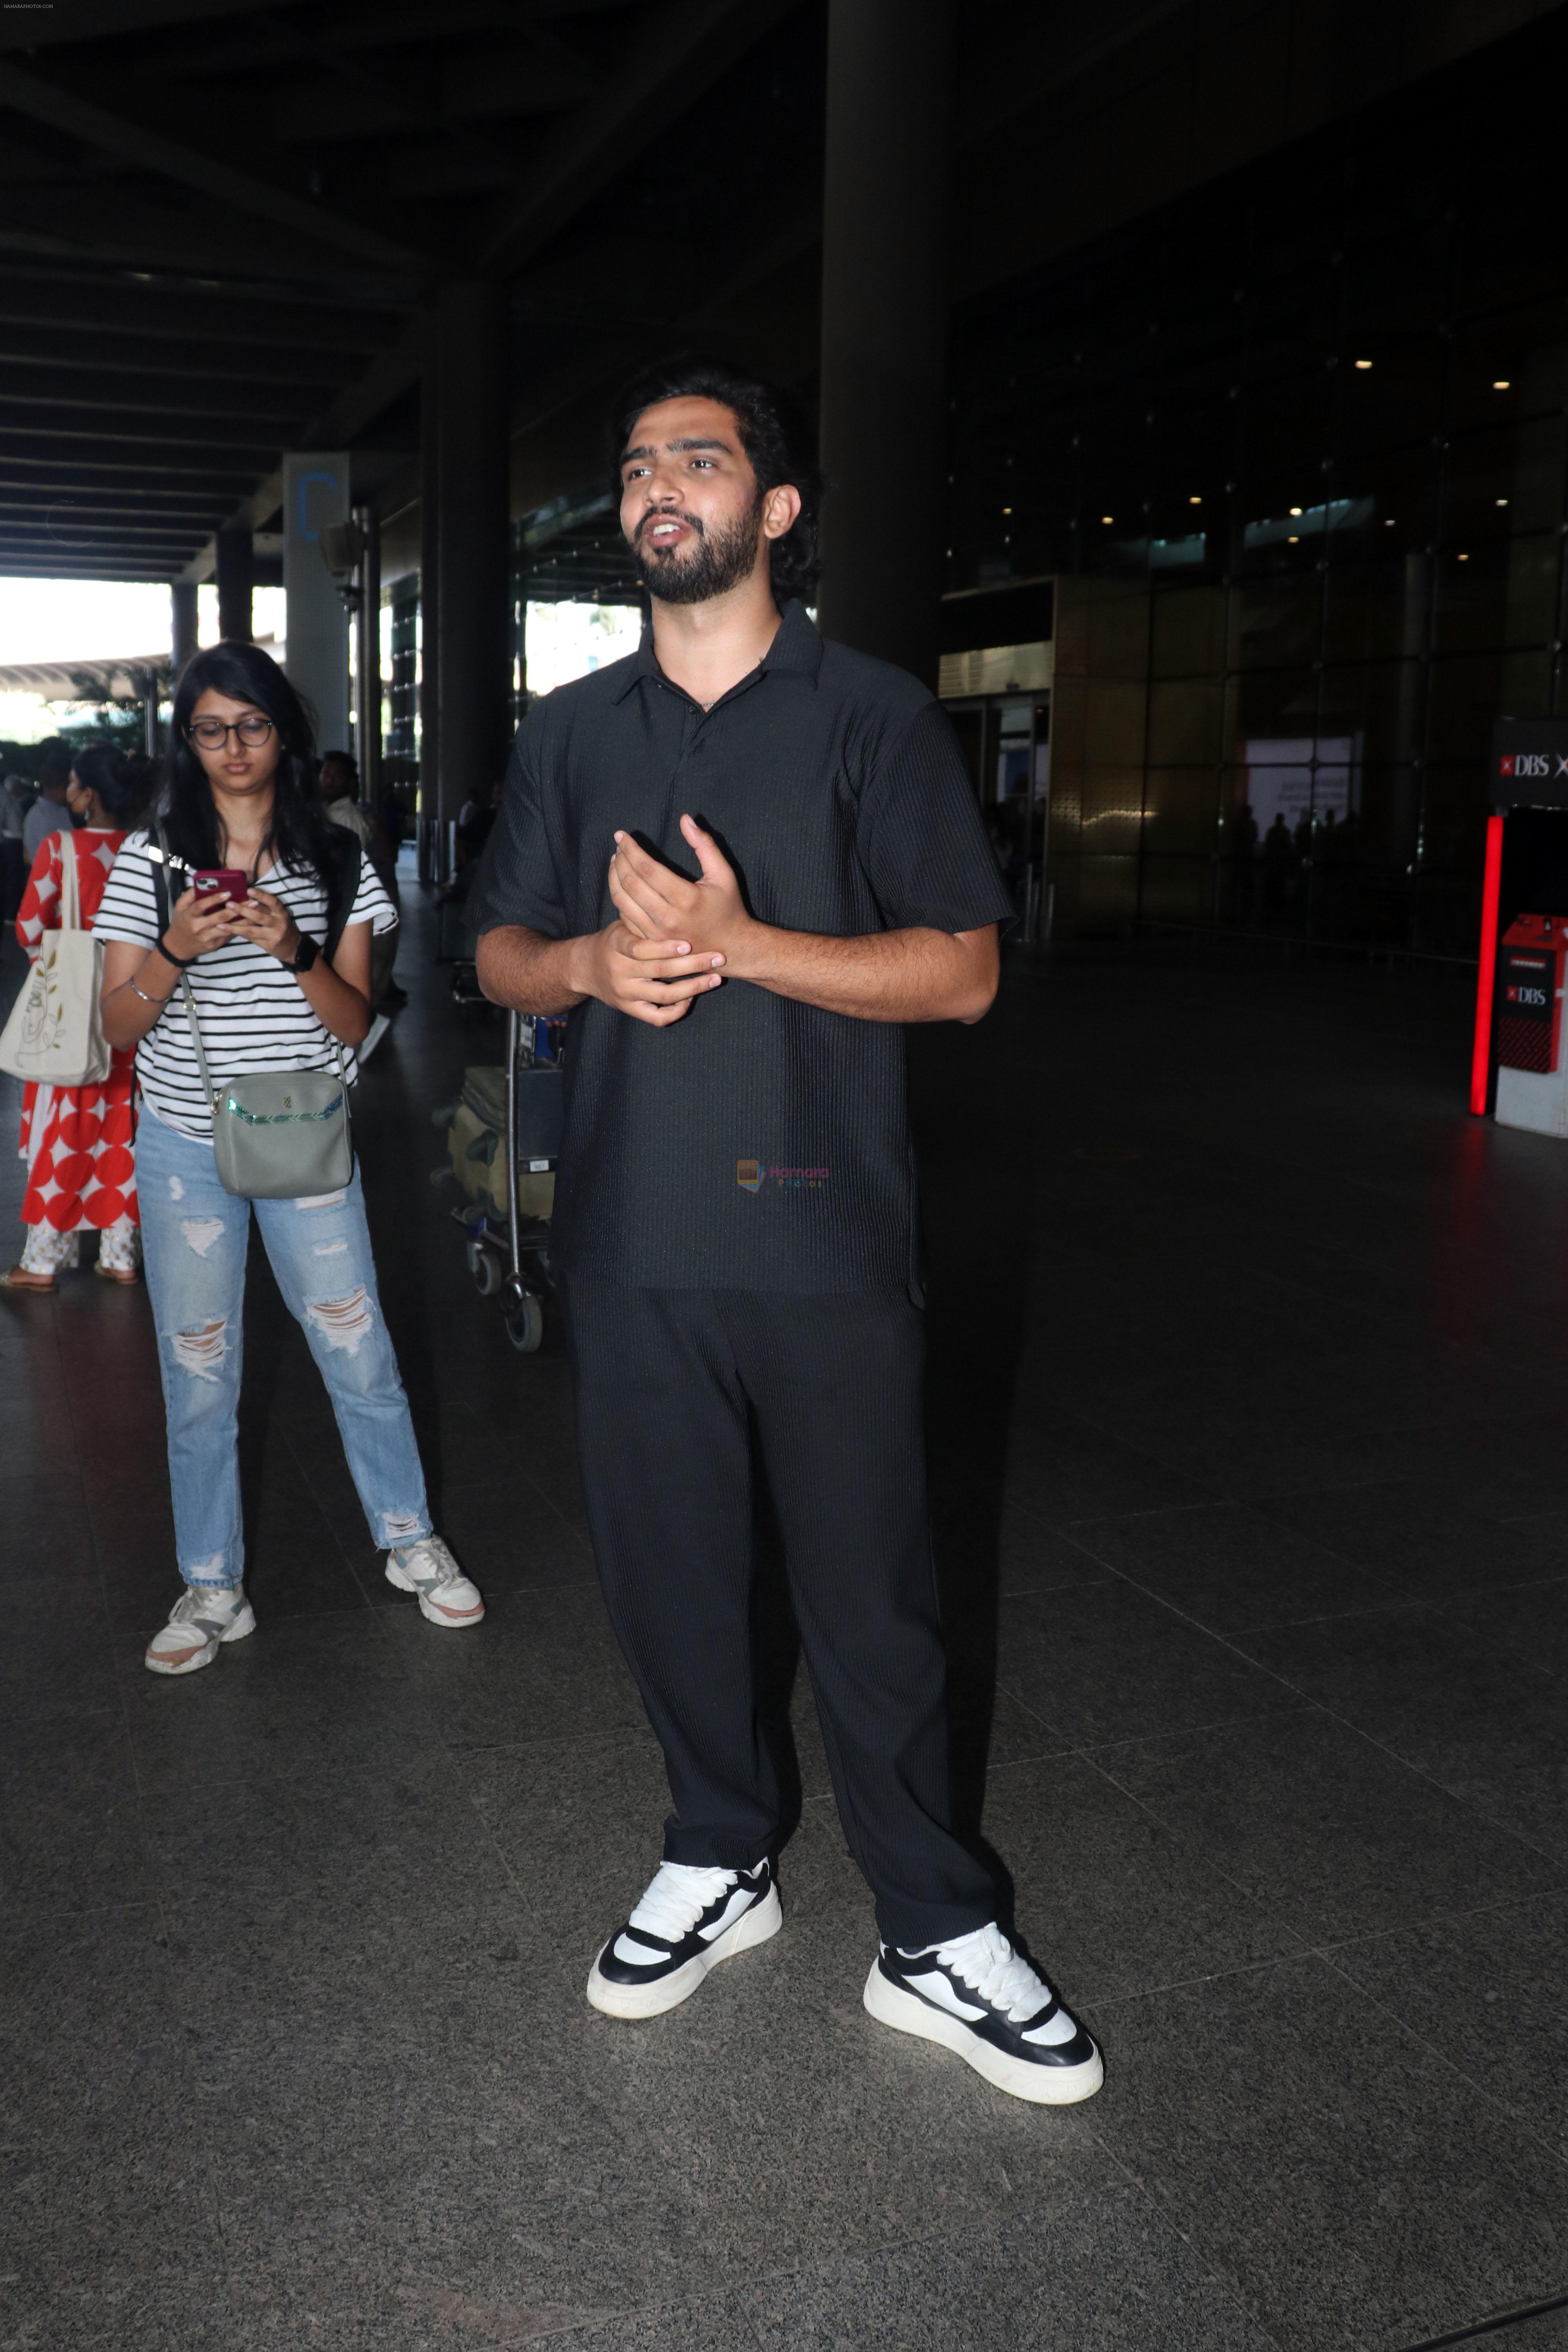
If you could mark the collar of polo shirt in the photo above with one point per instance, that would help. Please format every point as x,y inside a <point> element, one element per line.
<point>796,648</point>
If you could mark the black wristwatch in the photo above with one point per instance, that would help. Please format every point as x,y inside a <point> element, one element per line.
<point>305,954</point>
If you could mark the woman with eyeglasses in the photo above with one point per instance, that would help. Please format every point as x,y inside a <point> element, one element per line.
<point>78,1140</point>
<point>239,797</point>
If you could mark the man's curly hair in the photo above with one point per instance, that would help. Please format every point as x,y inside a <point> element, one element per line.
<point>773,435</point>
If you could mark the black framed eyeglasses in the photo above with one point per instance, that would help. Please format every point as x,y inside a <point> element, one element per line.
<point>213,734</point>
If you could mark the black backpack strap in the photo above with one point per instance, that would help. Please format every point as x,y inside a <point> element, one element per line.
<point>159,866</point>
<point>345,888</point>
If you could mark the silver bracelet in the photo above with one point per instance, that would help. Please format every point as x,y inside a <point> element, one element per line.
<point>159,1001</point>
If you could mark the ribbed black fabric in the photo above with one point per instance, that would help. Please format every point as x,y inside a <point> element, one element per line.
<point>834,785</point>
<point>670,1386</point>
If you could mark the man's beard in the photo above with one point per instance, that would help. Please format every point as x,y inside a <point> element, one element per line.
<point>710,565</point>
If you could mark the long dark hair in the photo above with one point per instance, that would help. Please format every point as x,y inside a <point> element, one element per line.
<point>300,834</point>
<point>773,435</point>
<point>122,780</point>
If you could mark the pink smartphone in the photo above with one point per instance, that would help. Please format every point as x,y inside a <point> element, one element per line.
<point>222,882</point>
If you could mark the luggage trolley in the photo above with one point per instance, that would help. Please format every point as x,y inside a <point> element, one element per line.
<point>508,1224</point>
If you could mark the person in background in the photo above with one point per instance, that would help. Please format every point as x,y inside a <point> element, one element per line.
<point>78,1141</point>
<point>475,818</point>
<point>48,812</point>
<point>339,787</point>
<point>241,794</point>
<point>393,823</point>
<point>16,799</point>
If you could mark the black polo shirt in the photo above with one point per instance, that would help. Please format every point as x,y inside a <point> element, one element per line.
<point>759,1143</point>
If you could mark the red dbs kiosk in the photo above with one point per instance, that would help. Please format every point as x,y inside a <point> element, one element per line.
<point>1520,1069</point>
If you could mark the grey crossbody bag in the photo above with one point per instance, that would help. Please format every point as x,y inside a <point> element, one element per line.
<point>278,1135</point>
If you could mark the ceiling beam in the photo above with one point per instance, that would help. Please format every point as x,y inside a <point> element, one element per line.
<point>156,506</point>
<point>676,53</point>
<point>92,20</point>
<point>358,404</point>
<point>199,358</point>
<point>123,130</point>
<point>112,306</point>
<point>134,535</point>
<point>680,50</point>
<point>84,567</point>
<point>130,394</point>
<point>66,223</point>
<point>109,429</point>
<point>20,457</point>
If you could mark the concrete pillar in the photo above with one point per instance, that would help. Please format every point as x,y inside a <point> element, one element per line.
<point>473,610</point>
<point>885,319</point>
<point>236,578</point>
<point>367,656</point>
<point>182,624</point>
<point>429,599</point>
<point>315,501</point>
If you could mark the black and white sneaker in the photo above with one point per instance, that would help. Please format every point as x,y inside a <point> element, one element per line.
<point>981,1998</point>
<point>688,1920</point>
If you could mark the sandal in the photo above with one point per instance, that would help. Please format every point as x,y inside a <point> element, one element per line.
<point>115,1272</point>
<point>17,1278</point>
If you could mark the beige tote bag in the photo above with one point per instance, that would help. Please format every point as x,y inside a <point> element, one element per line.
<point>55,1034</point>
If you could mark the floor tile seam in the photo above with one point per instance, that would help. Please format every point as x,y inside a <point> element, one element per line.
<point>1098,1748</point>
<point>1170,2220</point>
<point>1264,1913</point>
<point>554,1507</point>
<point>1128,2188</point>
<point>309,1486</point>
<point>1024,1708</point>
<point>1359,1732</point>
<point>1276,1961</point>
<point>1501,2109</point>
<point>1436,1921</point>
<point>1498,2324</point>
<point>193,2103</point>
<point>1045,1592</point>
<point>1455,1796</point>
<point>1323,1707</point>
<point>1395,1602</point>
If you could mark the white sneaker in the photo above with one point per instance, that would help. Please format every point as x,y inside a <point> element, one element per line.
<point>978,1996</point>
<point>446,1595</point>
<point>690,1919</point>
<point>202,1617</point>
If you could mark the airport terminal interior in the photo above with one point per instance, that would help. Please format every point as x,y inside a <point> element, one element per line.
<point>1192,383</point>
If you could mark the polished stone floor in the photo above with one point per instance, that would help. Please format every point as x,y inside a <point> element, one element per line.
<point>1249,1393</point>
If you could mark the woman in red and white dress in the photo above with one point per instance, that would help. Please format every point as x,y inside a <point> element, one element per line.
<point>78,1141</point>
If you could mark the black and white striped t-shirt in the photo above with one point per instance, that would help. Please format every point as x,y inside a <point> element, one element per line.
<point>254,1014</point>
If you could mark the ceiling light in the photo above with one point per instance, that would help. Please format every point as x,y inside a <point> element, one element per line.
<point>1502,502</point>
<point>1296,510</point>
<point>1388,523</point>
<point>1195,502</point>
<point>1007,509</point>
<point>1501,384</point>
<point>1464,558</point>
<point>1364,363</point>
<point>1107,517</point>
<point>1294,540</point>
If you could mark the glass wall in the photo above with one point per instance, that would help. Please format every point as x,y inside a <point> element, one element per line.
<point>1294,451</point>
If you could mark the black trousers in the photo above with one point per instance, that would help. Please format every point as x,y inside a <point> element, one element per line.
<point>679,1392</point>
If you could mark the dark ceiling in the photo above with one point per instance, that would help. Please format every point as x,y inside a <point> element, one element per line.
<point>218,222</point>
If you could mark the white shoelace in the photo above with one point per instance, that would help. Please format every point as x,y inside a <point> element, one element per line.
<point>1002,1976</point>
<point>430,1562</point>
<point>676,1898</point>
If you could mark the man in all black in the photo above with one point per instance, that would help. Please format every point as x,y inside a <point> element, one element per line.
<point>743,858</point>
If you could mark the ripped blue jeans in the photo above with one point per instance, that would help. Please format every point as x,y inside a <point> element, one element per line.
<point>194,1239</point>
